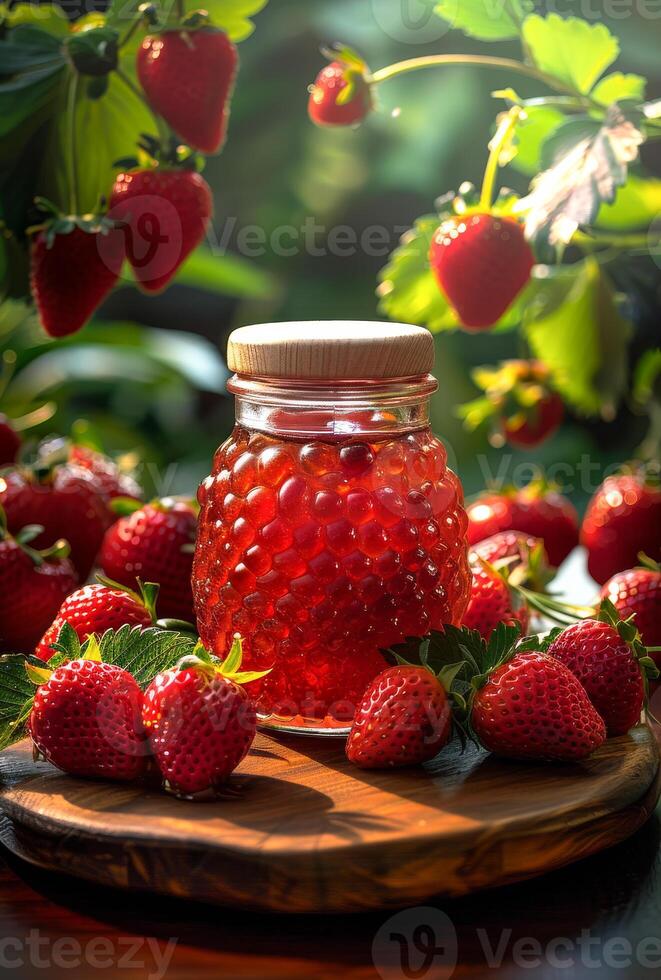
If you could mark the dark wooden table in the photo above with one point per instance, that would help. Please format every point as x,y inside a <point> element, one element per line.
<point>603,913</point>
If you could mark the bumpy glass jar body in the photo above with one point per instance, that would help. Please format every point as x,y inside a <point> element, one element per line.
<point>331,529</point>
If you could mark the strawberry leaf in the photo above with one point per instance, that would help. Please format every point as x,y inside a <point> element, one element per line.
<point>232,16</point>
<point>617,87</point>
<point>16,696</point>
<point>485,20</point>
<point>574,326</point>
<point>585,162</point>
<point>144,653</point>
<point>573,51</point>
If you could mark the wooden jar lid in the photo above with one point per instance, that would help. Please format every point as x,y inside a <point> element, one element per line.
<point>342,349</point>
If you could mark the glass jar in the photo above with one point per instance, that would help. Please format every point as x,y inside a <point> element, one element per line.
<point>330,527</point>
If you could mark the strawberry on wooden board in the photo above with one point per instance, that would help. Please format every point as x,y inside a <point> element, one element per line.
<point>493,601</point>
<point>622,519</point>
<point>188,76</point>
<point>637,592</point>
<point>404,719</point>
<point>66,500</point>
<point>10,441</point>
<point>86,719</point>
<point>200,721</point>
<point>32,586</point>
<point>165,213</point>
<point>609,659</point>
<point>535,509</point>
<point>341,94</point>
<point>481,262</point>
<point>97,608</point>
<point>155,543</point>
<point>74,263</point>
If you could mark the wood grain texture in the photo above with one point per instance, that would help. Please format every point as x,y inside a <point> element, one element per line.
<point>302,830</point>
<point>331,349</point>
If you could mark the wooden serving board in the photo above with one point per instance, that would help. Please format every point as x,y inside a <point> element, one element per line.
<point>305,831</point>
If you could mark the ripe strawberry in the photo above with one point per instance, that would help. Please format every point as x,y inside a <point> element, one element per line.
<point>637,592</point>
<point>155,543</point>
<point>481,262</point>
<point>97,608</point>
<point>532,707</point>
<point>86,720</point>
<point>508,545</point>
<point>526,430</point>
<point>403,719</point>
<point>622,519</point>
<point>610,661</point>
<point>10,441</point>
<point>110,477</point>
<point>66,500</point>
<point>32,587</point>
<point>165,214</point>
<point>188,77</point>
<point>535,509</point>
<point>200,722</point>
<point>493,601</point>
<point>341,95</point>
<point>72,270</point>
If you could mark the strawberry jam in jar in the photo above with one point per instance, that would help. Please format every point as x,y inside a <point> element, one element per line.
<point>331,527</point>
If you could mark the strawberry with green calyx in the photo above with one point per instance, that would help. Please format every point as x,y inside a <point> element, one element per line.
<point>200,721</point>
<point>521,703</point>
<point>622,519</point>
<point>637,592</point>
<point>75,260</point>
<point>33,584</point>
<point>518,405</point>
<point>93,609</point>
<point>188,77</point>
<point>65,499</point>
<point>538,509</point>
<point>403,719</point>
<point>164,211</point>
<point>86,718</point>
<point>493,600</point>
<point>154,541</point>
<point>514,548</point>
<point>608,657</point>
<point>479,256</point>
<point>341,94</point>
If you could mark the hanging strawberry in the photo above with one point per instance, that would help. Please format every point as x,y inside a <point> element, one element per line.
<point>518,405</point>
<point>188,76</point>
<point>164,211</point>
<point>74,263</point>
<point>341,93</point>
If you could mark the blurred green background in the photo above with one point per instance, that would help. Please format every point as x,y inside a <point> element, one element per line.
<point>149,373</point>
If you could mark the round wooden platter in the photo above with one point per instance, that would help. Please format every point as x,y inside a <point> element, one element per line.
<point>301,830</point>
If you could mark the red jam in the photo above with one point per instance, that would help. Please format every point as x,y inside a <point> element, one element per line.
<point>323,553</point>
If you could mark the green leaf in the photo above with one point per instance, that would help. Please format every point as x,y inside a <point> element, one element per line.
<point>107,129</point>
<point>573,51</point>
<point>408,291</point>
<point>27,93</point>
<point>585,163</point>
<point>46,17</point>
<point>232,16</point>
<point>617,87</point>
<point>636,206</point>
<point>16,696</point>
<point>647,378</point>
<point>227,275</point>
<point>486,20</point>
<point>145,653</point>
<point>531,134</point>
<point>574,326</point>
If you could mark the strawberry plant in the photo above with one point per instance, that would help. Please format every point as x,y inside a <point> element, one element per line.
<point>77,101</point>
<point>550,262</point>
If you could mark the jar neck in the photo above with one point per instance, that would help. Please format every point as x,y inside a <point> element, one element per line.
<point>333,409</point>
